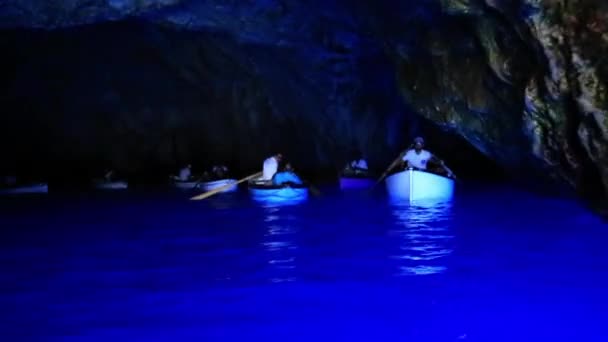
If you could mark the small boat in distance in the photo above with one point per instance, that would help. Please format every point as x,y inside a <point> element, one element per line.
<point>110,185</point>
<point>185,185</point>
<point>36,188</point>
<point>354,182</point>
<point>416,185</point>
<point>356,175</point>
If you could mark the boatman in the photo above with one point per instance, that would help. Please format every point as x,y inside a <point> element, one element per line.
<point>270,167</point>
<point>418,158</point>
<point>185,173</point>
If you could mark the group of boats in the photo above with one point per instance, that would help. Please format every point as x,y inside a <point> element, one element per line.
<point>409,184</point>
<point>43,188</point>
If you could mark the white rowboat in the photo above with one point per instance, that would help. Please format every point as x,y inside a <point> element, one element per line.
<point>416,185</point>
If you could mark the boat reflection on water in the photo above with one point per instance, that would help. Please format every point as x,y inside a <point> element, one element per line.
<point>280,197</point>
<point>224,201</point>
<point>424,239</point>
<point>280,244</point>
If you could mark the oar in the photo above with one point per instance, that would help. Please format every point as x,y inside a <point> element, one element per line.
<point>450,171</point>
<point>198,182</point>
<point>447,168</point>
<point>224,187</point>
<point>390,167</point>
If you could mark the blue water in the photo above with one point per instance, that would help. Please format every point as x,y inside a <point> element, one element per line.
<point>493,265</point>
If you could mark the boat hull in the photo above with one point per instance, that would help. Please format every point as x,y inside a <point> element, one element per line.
<point>189,185</point>
<point>271,194</point>
<point>42,188</point>
<point>414,185</point>
<point>117,185</point>
<point>354,183</point>
<point>208,186</point>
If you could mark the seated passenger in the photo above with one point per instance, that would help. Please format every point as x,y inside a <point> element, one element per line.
<point>219,172</point>
<point>286,176</point>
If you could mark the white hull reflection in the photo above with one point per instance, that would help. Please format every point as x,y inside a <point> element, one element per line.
<point>423,237</point>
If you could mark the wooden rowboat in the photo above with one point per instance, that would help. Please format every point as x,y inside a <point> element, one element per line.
<point>38,188</point>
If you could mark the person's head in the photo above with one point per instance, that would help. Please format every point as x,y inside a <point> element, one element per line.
<point>288,167</point>
<point>219,170</point>
<point>279,156</point>
<point>418,143</point>
<point>188,166</point>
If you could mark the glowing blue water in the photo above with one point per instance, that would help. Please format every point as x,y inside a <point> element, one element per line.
<point>494,265</point>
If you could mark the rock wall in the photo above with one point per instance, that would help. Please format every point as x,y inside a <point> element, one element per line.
<point>523,82</point>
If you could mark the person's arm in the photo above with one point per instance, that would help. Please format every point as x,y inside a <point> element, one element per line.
<point>436,160</point>
<point>440,162</point>
<point>405,163</point>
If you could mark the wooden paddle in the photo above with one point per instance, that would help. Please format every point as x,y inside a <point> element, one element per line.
<point>390,167</point>
<point>445,167</point>
<point>224,187</point>
<point>450,171</point>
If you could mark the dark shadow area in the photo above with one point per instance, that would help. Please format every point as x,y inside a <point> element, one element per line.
<point>144,100</point>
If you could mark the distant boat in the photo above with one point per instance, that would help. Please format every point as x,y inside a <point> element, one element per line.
<point>112,185</point>
<point>416,185</point>
<point>185,185</point>
<point>353,182</point>
<point>212,185</point>
<point>38,188</point>
<point>270,193</point>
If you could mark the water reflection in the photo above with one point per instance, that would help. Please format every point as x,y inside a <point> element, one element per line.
<point>285,199</point>
<point>224,201</point>
<point>424,238</point>
<point>279,243</point>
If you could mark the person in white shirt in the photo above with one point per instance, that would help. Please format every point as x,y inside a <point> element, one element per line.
<point>357,166</point>
<point>185,173</point>
<point>270,167</point>
<point>418,158</point>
